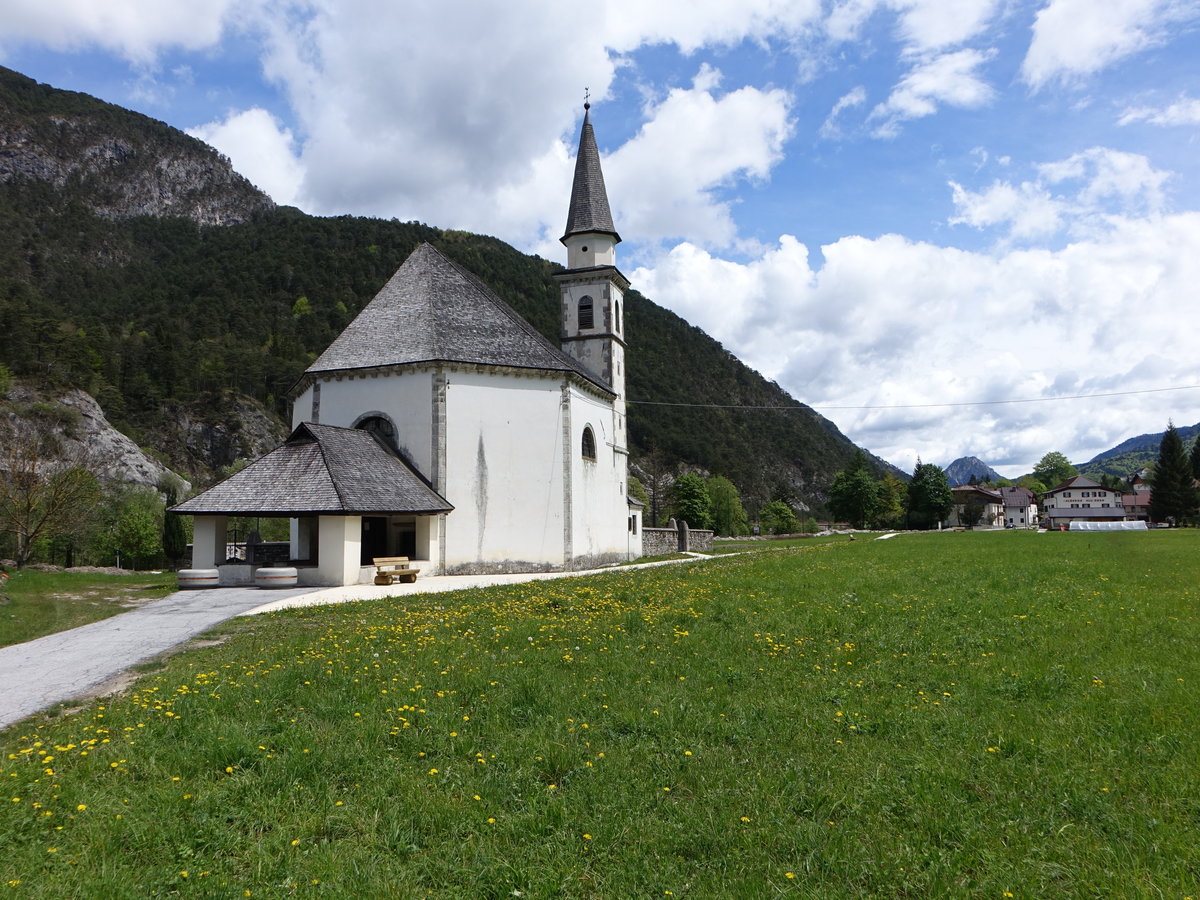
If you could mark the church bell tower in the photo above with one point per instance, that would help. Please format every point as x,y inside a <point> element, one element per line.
<point>593,308</point>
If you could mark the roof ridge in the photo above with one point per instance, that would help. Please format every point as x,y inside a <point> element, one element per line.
<point>519,320</point>
<point>337,488</point>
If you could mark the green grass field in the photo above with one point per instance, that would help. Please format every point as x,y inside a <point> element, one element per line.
<point>941,715</point>
<point>33,604</point>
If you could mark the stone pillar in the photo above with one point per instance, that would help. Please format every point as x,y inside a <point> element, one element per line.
<point>684,537</point>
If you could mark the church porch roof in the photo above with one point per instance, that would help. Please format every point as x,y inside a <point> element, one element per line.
<point>321,470</point>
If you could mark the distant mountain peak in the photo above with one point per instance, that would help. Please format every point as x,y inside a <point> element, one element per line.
<point>963,469</point>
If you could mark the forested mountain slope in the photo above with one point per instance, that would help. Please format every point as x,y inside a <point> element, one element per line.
<point>1134,454</point>
<point>165,317</point>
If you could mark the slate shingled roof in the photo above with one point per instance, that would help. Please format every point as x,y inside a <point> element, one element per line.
<point>432,310</point>
<point>321,470</point>
<point>589,210</point>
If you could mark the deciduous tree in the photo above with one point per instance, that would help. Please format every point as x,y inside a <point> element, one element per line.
<point>690,501</point>
<point>778,518</point>
<point>45,488</point>
<point>929,496</point>
<point>854,495</point>
<point>1053,469</point>
<point>728,514</point>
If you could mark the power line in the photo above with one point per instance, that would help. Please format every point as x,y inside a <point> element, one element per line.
<point>1186,387</point>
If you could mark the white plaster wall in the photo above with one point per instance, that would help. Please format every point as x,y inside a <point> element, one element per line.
<point>208,541</point>
<point>340,542</point>
<point>406,398</point>
<point>504,471</point>
<point>599,507</point>
<point>586,250</point>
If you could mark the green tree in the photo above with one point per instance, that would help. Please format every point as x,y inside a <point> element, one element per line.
<point>778,518</point>
<point>892,493</point>
<point>690,501</point>
<point>929,496</point>
<point>46,491</point>
<point>970,509</point>
<point>728,515</point>
<point>854,495</point>
<point>174,534</point>
<point>1172,486</point>
<point>1053,469</point>
<point>1032,484</point>
<point>1196,459</point>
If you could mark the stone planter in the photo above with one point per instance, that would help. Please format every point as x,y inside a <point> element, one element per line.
<point>192,579</point>
<point>275,577</point>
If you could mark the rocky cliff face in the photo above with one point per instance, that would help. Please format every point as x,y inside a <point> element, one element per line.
<point>194,446</point>
<point>203,445</point>
<point>84,434</point>
<point>117,162</point>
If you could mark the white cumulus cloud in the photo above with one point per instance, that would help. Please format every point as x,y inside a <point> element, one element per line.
<point>136,29</point>
<point>261,149</point>
<point>950,79</point>
<point>1087,192</point>
<point>1184,111</point>
<point>1073,39</point>
<point>892,322</point>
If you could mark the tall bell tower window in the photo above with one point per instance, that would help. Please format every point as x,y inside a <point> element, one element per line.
<point>587,316</point>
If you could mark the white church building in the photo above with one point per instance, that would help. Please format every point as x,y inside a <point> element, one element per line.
<point>441,426</point>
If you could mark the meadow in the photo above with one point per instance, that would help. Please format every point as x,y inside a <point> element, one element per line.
<point>33,604</point>
<point>1000,714</point>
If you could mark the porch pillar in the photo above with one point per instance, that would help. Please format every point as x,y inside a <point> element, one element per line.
<point>208,541</point>
<point>339,542</point>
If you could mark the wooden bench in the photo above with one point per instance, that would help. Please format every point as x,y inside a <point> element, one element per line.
<point>391,568</point>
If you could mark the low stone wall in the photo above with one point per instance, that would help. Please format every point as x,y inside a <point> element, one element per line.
<point>677,537</point>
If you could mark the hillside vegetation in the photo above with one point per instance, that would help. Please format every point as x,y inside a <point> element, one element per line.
<point>164,316</point>
<point>1133,455</point>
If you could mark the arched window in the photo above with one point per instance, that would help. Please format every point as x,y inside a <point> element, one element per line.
<point>382,429</point>
<point>589,444</point>
<point>587,317</point>
<point>617,316</point>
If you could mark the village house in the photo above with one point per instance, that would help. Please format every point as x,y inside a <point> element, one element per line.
<point>1080,499</point>
<point>442,427</point>
<point>976,507</point>
<point>1020,507</point>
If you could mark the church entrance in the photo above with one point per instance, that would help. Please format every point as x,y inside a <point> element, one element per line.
<point>374,538</point>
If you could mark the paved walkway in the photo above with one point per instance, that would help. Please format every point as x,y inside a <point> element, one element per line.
<point>58,667</point>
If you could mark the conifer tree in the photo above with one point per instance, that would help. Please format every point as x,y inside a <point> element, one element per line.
<point>1173,494</point>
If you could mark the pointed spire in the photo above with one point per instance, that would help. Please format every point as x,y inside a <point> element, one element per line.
<point>589,211</point>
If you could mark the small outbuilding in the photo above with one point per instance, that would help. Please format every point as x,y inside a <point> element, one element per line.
<point>348,497</point>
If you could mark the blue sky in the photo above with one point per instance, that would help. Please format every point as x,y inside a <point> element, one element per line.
<point>904,211</point>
